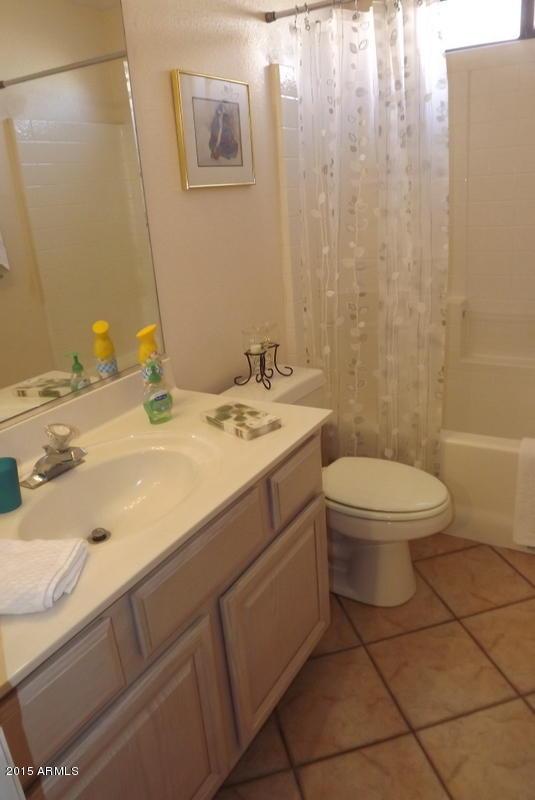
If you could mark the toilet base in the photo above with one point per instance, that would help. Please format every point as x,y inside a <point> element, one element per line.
<point>377,573</point>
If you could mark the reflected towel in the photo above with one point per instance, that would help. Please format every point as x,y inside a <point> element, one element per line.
<point>4,262</point>
<point>35,574</point>
<point>524,522</point>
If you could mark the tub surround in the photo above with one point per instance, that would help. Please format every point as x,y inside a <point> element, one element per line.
<point>480,473</point>
<point>115,566</point>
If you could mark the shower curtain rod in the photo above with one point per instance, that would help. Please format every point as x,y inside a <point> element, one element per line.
<point>273,16</point>
<point>89,62</point>
<point>362,5</point>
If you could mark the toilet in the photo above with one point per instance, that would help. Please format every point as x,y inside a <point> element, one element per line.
<point>374,507</point>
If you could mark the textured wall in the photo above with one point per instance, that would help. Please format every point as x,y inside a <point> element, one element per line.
<point>217,251</point>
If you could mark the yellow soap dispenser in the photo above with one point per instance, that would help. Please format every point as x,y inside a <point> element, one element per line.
<point>104,350</point>
<point>148,355</point>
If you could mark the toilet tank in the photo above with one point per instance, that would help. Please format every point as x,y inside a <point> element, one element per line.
<point>306,387</point>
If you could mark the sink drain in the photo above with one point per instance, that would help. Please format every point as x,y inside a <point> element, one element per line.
<point>98,535</point>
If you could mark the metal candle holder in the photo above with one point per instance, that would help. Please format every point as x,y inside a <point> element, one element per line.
<point>265,373</point>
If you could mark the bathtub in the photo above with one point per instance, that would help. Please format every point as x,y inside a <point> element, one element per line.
<point>480,472</point>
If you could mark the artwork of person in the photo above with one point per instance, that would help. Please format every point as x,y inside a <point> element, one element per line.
<point>223,140</point>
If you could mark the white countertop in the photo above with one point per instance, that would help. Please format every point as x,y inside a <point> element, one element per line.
<point>115,566</point>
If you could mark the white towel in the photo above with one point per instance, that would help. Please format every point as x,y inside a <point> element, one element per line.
<point>34,574</point>
<point>524,522</point>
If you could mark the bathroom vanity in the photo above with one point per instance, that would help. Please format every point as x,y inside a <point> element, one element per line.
<point>158,693</point>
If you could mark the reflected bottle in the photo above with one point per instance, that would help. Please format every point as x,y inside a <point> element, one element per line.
<point>147,354</point>
<point>104,350</point>
<point>79,379</point>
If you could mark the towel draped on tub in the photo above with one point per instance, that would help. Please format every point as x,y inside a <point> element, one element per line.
<point>524,521</point>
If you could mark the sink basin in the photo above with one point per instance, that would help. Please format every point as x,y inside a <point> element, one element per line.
<point>125,486</point>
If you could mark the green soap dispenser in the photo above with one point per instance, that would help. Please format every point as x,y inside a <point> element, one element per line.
<point>79,379</point>
<point>157,399</point>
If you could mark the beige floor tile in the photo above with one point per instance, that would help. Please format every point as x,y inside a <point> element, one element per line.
<point>438,673</point>
<point>282,786</point>
<point>340,635</point>
<point>437,544</point>
<point>375,623</point>
<point>264,755</point>
<point>395,770</point>
<point>337,702</point>
<point>524,562</point>
<point>508,636</point>
<point>488,755</point>
<point>531,700</point>
<point>473,580</point>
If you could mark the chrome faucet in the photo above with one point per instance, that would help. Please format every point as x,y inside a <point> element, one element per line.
<point>60,456</point>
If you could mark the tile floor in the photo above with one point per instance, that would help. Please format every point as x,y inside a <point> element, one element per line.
<point>428,701</point>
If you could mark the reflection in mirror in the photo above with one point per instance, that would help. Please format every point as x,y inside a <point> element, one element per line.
<point>74,245</point>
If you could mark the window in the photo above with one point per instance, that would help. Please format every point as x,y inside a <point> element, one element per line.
<point>474,22</point>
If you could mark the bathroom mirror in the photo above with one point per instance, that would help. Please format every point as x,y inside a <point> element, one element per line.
<point>74,242</point>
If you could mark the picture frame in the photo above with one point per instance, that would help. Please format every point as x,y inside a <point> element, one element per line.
<point>214,130</point>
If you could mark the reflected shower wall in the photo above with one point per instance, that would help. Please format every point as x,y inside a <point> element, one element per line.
<point>73,158</point>
<point>490,386</point>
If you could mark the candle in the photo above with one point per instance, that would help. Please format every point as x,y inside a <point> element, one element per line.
<point>255,348</point>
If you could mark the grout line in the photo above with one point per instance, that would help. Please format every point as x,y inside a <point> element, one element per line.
<point>288,752</point>
<point>513,566</point>
<point>449,552</point>
<point>524,697</point>
<point>411,630</point>
<point>315,656</point>
<point>489,706</point>
<point>490,658</point>
<point>258,777</point>
<point>473,613</point>
<point>349,750</point>
<point>512,603</point>
<point>459,620</point>
<point>453,618</point>
<point>398,706</point>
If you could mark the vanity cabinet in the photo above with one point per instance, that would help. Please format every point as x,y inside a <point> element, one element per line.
<point>274,615</point>
<point>161,694</point>
<point>163,739</point>
<point>54,703</point>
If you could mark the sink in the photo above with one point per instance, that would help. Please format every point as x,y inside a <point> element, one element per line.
<point>125,486</point>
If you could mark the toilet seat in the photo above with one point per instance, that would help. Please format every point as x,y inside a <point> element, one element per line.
<point>387,516</point>
<point>372,488</point>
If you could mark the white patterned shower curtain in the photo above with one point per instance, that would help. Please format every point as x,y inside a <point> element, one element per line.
<point>374,223</point>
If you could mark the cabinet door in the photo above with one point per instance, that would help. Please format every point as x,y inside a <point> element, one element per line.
<point>274,615</point>
<point>162,740</point>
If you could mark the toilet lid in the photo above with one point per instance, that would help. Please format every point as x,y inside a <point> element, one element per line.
<point>377,485</point>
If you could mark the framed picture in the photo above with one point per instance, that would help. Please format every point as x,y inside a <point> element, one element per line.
<point>213,120</point>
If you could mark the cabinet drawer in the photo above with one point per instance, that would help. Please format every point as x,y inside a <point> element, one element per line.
<point>50,707</point>
<point>274,615</point>
<point>295,483</point>
<point>162,740</point>
<point>163,602</point>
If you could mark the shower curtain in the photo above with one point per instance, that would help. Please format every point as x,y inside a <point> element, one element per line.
<point>373,126</point>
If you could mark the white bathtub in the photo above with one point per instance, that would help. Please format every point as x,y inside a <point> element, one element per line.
<point>480,472</point>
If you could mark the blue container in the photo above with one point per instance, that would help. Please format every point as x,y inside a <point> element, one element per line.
<point>10,498</point>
